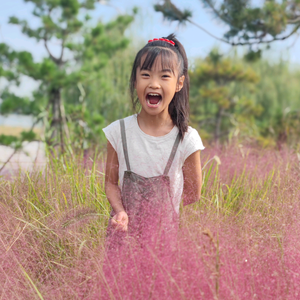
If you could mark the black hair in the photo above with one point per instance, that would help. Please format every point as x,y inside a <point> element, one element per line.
<point>179,106</point>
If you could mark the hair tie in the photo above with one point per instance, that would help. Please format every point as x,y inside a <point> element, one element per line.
<point>164,40</point>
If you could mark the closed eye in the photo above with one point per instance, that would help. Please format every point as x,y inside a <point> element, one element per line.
<point>166,76</point>
<point>145,75</point>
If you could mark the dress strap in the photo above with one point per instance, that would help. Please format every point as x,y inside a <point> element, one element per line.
<point>124,143</point>
<point>172,155</point>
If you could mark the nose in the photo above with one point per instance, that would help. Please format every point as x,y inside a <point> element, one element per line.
<point>154,83</point>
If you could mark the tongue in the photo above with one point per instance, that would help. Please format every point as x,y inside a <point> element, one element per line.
<point>154,99</point>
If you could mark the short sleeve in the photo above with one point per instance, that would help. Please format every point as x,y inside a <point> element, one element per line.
<point>112,133</point>
<point>192,142</point>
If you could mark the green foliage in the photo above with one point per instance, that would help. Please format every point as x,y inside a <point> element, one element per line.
<point>278,93</point>
<point>89,133</point>
<point>14,104</point>
<point>101,98</point>
<point>172,13</point>
<point>16,142</point>
<point>252,55</point>
<point>28,136</point>
<point>215,106</point>
<point>108,92</point>
<point>8,140</point>
<point>7,57</point>
<point>87,56</point>
<point>249,23</point>
<point>259,101</point>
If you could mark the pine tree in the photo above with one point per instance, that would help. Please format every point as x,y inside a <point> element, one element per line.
<point>61,21</point>
<point>249,23</point>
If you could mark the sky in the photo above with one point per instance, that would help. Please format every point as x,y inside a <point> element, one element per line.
<point>148,24</point>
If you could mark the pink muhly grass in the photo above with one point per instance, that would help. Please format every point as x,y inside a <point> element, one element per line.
<point>240,241</point>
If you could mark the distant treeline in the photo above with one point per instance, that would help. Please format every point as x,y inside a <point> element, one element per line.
<point>230,98</point>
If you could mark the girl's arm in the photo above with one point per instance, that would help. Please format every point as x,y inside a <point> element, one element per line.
<point>192,175</point>
<point>112,189</point>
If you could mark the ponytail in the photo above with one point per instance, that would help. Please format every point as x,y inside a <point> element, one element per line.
<point>179,107</point>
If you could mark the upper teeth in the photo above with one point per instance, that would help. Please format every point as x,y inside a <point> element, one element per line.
<point>152,94</point>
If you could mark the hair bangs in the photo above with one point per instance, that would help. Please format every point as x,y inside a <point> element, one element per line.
<point>167,59</point>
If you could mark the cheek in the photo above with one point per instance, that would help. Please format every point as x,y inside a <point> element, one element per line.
<point>138,88</point>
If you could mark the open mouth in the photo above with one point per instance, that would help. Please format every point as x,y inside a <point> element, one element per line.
<point>153,99</point>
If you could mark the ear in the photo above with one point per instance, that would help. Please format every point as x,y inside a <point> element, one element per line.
<point>180,82</point>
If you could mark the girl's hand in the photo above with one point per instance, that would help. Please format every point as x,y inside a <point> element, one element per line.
<point>120,221</point>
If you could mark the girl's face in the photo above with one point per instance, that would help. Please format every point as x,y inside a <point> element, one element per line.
<point>156,87</point>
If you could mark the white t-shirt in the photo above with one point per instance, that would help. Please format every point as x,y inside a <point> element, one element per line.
<point>148,155</point>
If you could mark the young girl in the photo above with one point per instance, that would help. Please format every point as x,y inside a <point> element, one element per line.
<point>154,154</point>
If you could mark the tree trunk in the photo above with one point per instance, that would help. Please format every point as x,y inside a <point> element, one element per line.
<point>57,136</point>
<point>218,125</point>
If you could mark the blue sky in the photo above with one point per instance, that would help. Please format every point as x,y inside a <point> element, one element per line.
<point>148,24</point>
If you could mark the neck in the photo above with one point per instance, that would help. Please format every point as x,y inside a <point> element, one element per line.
<point>155,125</point>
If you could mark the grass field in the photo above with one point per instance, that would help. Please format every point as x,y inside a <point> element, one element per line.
<point>240,241</point>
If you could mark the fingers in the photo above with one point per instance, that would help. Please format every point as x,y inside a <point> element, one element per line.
<point>113,221</point>
<point>120,226</point>
<point>120,221</point>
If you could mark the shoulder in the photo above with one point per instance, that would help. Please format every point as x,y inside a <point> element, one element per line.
<point>115,126</point>
<point>113,131</point>
<point>191,142</point>
<point>130,121</point>
<point>192,137</point>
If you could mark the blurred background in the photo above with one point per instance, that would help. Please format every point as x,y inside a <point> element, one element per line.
<point>65,67</point>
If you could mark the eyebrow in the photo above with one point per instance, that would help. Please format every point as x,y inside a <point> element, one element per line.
<point>167,70</point>
<point>161,71</point>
